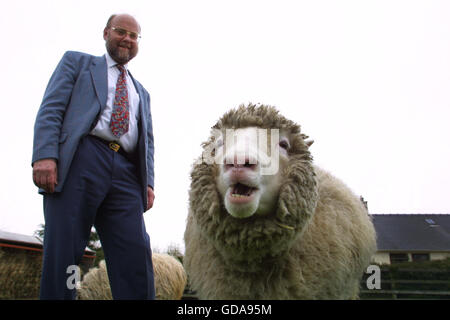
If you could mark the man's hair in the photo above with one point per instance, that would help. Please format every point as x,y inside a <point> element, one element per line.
<point>108,24</point>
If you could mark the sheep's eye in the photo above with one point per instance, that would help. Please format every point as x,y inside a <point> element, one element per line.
<point>284,144</point>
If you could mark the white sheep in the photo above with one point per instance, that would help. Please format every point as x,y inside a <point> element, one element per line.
<point>265,223</point>
<point>169,274</point>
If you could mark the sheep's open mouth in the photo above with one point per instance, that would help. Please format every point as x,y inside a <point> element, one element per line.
<point>240,190</point>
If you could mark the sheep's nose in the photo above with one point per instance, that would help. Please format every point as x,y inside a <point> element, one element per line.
<point>240,163</point>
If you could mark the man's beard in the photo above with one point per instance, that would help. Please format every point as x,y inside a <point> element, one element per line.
<point>120,56</point>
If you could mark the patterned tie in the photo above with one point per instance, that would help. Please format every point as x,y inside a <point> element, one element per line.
<point>120,113</point>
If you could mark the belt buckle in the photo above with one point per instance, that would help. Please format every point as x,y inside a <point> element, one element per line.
<point>114,146</point>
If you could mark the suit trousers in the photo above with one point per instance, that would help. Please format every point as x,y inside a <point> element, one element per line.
<point>102,189</point>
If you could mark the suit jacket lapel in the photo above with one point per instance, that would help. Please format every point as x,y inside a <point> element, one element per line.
<point>141,97</point>
<point>99,75</point>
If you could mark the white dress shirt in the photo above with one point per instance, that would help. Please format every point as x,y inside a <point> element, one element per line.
<point>128,141</point>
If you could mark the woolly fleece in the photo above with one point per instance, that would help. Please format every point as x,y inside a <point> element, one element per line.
<point>170,280</point>
<point>316,245</point>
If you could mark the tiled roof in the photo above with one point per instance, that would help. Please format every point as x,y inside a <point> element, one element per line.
<point>412,232</point>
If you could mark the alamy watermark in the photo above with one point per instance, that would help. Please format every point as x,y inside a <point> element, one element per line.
<point>374,280</point>
<point>251,147</point>
<point>73,280</point>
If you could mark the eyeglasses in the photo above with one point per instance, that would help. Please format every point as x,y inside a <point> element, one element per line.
<point>122,32</point>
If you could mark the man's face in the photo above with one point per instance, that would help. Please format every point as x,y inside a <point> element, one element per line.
<point>120,45</point>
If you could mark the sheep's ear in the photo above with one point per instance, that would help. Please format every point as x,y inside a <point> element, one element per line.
<point>307,142</point>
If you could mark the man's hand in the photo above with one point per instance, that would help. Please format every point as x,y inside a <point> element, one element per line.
<point>45,174</point>
<point>150,198</point>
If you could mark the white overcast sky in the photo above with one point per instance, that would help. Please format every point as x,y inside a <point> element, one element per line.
<point>369,81</point>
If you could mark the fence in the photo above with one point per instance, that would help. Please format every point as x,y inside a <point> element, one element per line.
<point>404,283</point>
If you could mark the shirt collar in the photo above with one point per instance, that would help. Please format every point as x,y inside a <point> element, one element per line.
<point>110,62</point>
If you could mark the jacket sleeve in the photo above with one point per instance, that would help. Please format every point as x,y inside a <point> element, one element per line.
<point>150,149</point>
<point>50,116</point>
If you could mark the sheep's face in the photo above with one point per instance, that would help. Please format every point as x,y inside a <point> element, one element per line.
<point>253,199</point>
<point>251,162</point>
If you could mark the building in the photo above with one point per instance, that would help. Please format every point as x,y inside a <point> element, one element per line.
<point>21,265</point>
<point>20,241</point>
<point>31,243</point>
<point>411,237</point>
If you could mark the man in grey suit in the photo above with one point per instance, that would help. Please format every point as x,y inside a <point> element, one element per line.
<point>93,163</point>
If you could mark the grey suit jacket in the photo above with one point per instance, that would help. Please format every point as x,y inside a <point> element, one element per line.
<point>75,96</point>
